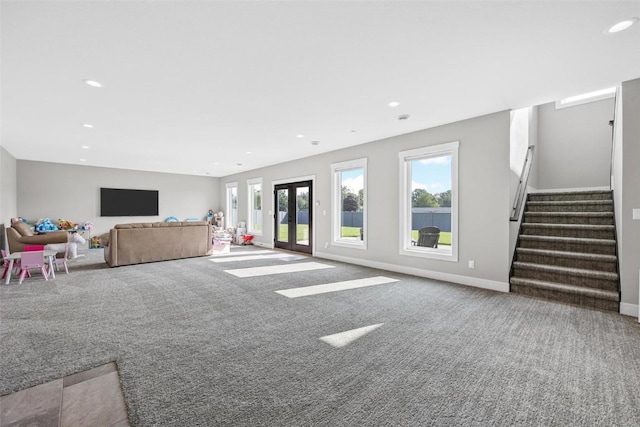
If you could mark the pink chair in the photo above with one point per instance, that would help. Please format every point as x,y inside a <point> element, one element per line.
<point>57,262</point>
<point>16,264</point>
<point>30,261</point>
<point>31,248</point>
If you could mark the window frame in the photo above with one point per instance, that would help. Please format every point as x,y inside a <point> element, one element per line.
<point>336,203</point>
<point>229,204</point>
<point>405,179</point>
<point>251,199</point>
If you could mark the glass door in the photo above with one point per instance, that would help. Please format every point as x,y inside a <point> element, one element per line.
<point>294,216</point>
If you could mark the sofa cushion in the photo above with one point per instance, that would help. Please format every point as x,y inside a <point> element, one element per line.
<point>23,228</point>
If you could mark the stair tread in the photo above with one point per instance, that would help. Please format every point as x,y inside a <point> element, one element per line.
<point>581,240</point>
<point>569,226</point>
<point>567,270</point>
<point>561,287</point>
<point>572,193</point>
<point>583,214</point>
<point>569,202</point>
<point>567,254</point>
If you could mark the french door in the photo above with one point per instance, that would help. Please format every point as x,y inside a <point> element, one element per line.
<point>293,220</point>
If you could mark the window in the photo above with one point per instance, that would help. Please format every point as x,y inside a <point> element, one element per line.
<point>584,98</point>
<point>429,198</point>
<point>232,204</point>
<point>254,224</point>
<point>349,203</point>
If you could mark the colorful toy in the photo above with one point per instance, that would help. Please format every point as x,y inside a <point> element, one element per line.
<point>66,225</point>
<point>247,239</point>
<point>95,242</point>
<point>45,225</point>
<point>87,225</point>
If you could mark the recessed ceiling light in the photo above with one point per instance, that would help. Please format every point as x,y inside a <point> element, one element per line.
<point>622,25</point>
<point>208,173</point>
<point>353,131</point>
<point>394,104</point>
<point>86,147</point>
<point>299,135</point>
<point>315,142</point>
<point>249,152</point>
<point>403,117</point>
<point>93,83</point>
<point>239,164</point>
<point>87,125</point>
<point>83,160</point>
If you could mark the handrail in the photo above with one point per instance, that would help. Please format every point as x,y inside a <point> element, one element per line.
<point>613,139</point>
<point>522,185</point>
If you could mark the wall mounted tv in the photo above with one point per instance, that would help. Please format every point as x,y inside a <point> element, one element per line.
<point>123,202</point>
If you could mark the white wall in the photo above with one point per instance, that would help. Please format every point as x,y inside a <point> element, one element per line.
<point>629,245</point>
<point>53,190</point>
<point>518,147</point>
<point>483,198</point>
<point>574,145</point>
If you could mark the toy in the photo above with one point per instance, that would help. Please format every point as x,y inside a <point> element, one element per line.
<point>45,225</point>
<point>73,239</point>
<point>87,225</point>
<point>66,225</point>
<point>247,239</point>
<point>172,219</point>
<point>95,242</point>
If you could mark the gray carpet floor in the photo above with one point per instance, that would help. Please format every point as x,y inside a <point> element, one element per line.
<point>197,346</point>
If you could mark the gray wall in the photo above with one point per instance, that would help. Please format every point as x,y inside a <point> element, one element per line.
<point>8,189</point>
<point>629,229</point>
<point>574,145</point>
<point>483,196</point>
<point>53,190</point>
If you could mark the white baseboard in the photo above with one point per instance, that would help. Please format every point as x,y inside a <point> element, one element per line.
<point>429,274</point>
<point>629,309</point>
<point>566,190</point>
<point>263,245</point>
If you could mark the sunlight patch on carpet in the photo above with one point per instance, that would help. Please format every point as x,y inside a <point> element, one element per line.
<point>336,286</point>
<point>347,337</point>
<point>252,257</point>
<point>277,269</point>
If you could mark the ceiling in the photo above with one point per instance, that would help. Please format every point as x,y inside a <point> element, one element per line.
<point>193,87</point>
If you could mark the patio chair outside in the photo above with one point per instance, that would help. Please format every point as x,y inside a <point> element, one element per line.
<point>428,237</point>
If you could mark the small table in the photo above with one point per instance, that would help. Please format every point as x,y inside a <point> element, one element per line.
<point>49,254</point>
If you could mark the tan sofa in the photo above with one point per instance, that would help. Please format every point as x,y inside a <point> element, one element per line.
<point>20,235</point>
<point>156,241</point>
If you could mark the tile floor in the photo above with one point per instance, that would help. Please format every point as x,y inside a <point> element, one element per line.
<point>89,398</point>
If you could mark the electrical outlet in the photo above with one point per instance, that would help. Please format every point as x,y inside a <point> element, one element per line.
<point>326,245</point>
<point>636,214</point>
<point>324,212</point>
<point>472,264</point>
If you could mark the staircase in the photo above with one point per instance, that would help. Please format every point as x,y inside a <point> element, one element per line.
<point>566,250</point>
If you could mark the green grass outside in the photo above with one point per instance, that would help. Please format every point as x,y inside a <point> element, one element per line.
<point>302,233</point>
<point>445,236</point>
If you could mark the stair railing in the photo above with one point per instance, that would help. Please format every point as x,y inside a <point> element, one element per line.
<point>612,123</point>
<point>522,185</point>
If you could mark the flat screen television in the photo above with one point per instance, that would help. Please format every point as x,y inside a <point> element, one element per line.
<point>123,202</point>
